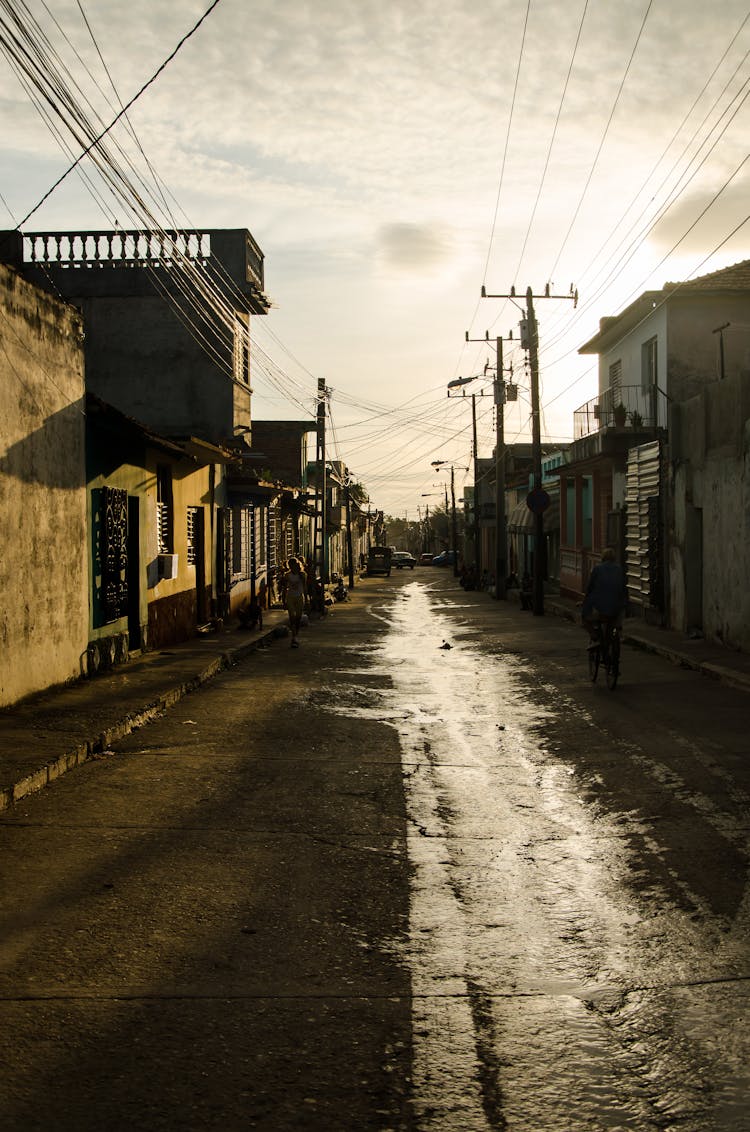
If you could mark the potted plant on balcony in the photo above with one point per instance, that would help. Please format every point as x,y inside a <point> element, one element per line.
<point>620,414</point>
<point>636,419</point>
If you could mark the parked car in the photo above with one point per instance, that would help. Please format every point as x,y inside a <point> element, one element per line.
<point>445,558</point>
<point>401,558</point>
<point>379,560</point>
<point>425,559</point>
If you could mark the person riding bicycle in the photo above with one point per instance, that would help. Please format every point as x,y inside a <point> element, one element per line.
<point>606,595</point>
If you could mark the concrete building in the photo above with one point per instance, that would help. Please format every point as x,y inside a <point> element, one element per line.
<point>167,344</point>
<point>151,513</point>
<point>709,543</point>
<point>167,319</point>
<point>44,613</point>
<point>666,348</point>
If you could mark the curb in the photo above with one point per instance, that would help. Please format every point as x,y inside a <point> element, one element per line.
<point>92,748</point>
<point>707,668</point>
<point>710,669</point>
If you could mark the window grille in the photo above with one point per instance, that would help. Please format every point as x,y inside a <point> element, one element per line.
<point>162,528</point>
<point>241,542</point>
<point>114,553</point>
<point>192,549</point>
<point>241,353</point>
<point>164,525</point>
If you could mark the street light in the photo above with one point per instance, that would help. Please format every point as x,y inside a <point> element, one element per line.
<point>427,537</point>
<point>501,389</point>
<point>440,464</point>
<point>476,540</point>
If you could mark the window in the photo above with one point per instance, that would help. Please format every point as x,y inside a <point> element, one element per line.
<point>164,515</point>
<point>192,531</point>
<point>241,541</point>
<point>615,380</point>
<point>570,512</point>
<point>261,520</point>
<point>648,365</point>
<point>586,511</point>
<point>114,553</point>
<point>241,359</point>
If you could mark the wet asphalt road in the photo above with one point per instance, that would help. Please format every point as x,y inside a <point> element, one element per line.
<point>380,883</point>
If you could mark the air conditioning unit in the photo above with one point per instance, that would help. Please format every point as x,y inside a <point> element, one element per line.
<point>167,567</point>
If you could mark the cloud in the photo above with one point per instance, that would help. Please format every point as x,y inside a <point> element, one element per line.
<point>412,247</point>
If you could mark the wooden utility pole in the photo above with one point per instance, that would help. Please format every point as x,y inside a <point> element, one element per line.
<point>530,342</point>
<point>501,530</point>
<point>453,524</point>
<point>536,457</point>
<point>501,537</point>
<point>475,501</point>
<point>320,532</point>
<point>348,506</point>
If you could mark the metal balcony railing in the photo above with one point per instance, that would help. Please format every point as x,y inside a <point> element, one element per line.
<point>632,406</point>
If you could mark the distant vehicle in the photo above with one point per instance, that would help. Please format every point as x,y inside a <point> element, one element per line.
<point>445,558</point>
<point>401,558</point>
<point>379,560</point>
<point>425,559</point>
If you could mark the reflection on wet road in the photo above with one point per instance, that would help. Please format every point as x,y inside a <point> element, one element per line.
<point>546,995</point>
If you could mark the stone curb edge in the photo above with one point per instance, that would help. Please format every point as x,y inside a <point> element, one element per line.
<point>706,668</point>
<point>92,748</point>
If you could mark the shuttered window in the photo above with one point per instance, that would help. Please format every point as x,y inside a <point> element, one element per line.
<point>164,517</point>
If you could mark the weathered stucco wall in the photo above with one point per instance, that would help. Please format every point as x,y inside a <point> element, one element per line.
<point>726,560</point>
<point>143,360</point>
<point>43,577</point>
<point>694,344</point>
<point>710,538</point>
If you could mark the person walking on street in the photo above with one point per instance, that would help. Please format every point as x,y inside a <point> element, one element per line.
<point>295,592</point>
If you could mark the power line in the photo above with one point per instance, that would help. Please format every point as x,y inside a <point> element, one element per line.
<point>603,138</point>
<point>121,113</point>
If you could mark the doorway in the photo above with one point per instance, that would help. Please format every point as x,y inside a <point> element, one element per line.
<point>134,573</point>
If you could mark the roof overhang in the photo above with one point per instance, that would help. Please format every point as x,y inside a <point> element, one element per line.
<point>613,329</point>
<point>204,452</point>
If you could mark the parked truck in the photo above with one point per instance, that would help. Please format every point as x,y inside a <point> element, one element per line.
<point>379,560</point>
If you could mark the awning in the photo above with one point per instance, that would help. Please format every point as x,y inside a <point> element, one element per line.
<point>521,520</point>
<point>243,494</point>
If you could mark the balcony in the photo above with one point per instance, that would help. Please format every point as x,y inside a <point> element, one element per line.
<point>629,407</point>
<point>89,255</point>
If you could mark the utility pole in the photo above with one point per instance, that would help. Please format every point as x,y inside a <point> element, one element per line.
<point>437,464</point>
<point>349,549</point>
<point>501,531</point>
<point>475,501</point>
<point>477,540</point>
<point>320,533</point>
<point>536,457</point>
<point>453,525</point>
<point>501,538</point>
<point>535,501</point>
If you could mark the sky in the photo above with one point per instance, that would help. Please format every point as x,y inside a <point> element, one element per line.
<point>391,157</point>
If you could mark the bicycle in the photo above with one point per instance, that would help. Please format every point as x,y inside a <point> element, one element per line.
<point>605,649</point>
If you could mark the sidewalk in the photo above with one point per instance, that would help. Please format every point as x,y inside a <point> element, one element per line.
<point>55,731</point>
<point>50,733</point>
<point>702,656</point>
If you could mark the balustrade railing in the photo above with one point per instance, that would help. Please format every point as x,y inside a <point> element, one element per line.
<point>115,249</point>
<point>632,406</point>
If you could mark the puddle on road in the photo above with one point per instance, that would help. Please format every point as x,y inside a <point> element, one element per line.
<point>522,944</point>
